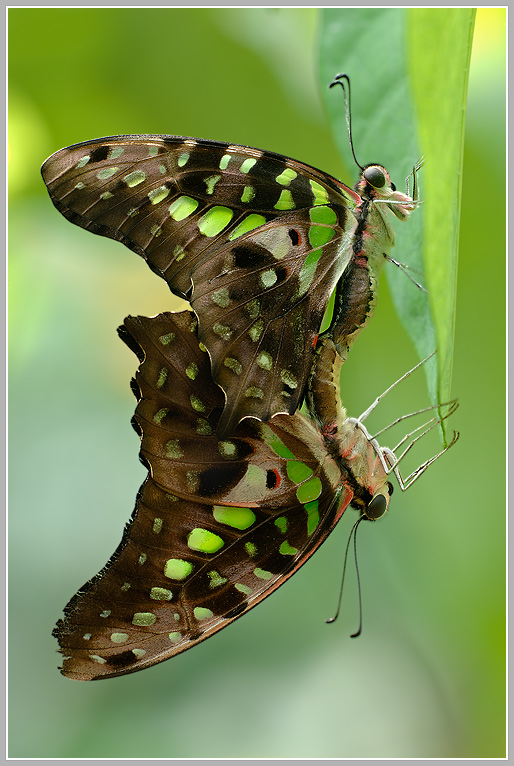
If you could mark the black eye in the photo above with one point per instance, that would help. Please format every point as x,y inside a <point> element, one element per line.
<point>390,488</point>
<point>393,187</point>
<point>375,177</point>
<point>376,508</point>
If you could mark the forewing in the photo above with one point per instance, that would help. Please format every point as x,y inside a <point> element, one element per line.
<point>218,524</point>
<point>256,241</point>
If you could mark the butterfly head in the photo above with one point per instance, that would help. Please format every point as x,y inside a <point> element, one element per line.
<point>375,184</point>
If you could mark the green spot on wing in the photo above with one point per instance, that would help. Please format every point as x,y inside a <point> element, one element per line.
<point>312,516</point>
<point>287,550</point>
<point>311,490</point>
<point>322,214</point>
<point>201,613</point>
<point>182,208</point>
<point>238,518</point>
<point>298,471</point>
<point>215,220</point>
<point>177,569</point>
<point>262,573</point>
<point>285,201</point>
<point>204,541</point>
<point>249,223</point>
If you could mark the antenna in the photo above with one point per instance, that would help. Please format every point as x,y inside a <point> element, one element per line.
<point>348,110</point>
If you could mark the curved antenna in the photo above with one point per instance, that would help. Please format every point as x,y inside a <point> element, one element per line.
<point>348,110</point>
<point>353,533</point>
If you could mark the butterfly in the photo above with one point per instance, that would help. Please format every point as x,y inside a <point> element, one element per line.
<point>254,240</point>
<point>219,523</point>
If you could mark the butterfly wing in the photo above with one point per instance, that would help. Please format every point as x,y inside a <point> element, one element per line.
<point>254,240</point>
<point>218,524</point>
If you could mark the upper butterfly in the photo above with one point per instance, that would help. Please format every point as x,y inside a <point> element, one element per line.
<point>254,240</point>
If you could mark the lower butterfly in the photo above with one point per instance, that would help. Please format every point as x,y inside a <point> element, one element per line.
<point>219,524</point>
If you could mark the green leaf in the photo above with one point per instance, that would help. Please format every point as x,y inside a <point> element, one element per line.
<point>409,72</point>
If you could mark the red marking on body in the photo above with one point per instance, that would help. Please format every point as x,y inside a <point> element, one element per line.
<point>315,340</point>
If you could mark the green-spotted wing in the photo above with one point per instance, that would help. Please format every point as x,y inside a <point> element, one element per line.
<point>254,240</point>
<point>218,524</point>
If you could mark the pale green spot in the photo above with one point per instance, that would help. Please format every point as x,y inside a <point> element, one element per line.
<point>311,490</point>
<point>177,569</point>
<point>144,619</point>
<point>247,165</point>
<point>265,360</point>
<point>308,270</point>
<point>253,392</point>
<point>176,617</point>
<point>175,636</point>
<point>192,370</point>
<point>215,579</point>
<point>97,658</point>
<point>105,613</point>
<point>162,169</point>
<point>172,449</point>
<point>115,152</point>
<point>221,297</point>
<point>182,208</point>
<point>268,278</point>
<point>171,498</point>
<point>153,151</point>
<point>255,330</point>
<point>323,214</point>
<point>224,161</point>
<point>248,194</point>
<point>157,526</point>
<point>138,653</point>
<point>179,253</point>
<point>320,193</point>
<point>288,378</point>
<point>125,587</point>
<point>287,550</point>
<point>251,549</point>
<point>204,541</point>
<point>238,518</point>
<point>106,195</point>
<point>285,201</point>
<point>83,161</point>
<point>215,220</point>
<point>161,594</point>
<point>106,173</point>
<point>193,324</point>
<point>197,403</point>
<point>262,574</point>
<point>119,638</point>
<point>192,480</point>
<point>155,230</point>
<point>312,516</point>
<point>253,308</point>
<point>161,380</point>
<point>233,364</point>
<point>285,178</point>
<point>203,427</point>
<point>160,415</point>
<point>201,613</point>
<point>298,471</point>
<point>242,588</point>
<point>252,221</point>
<point>211,182</point>
<point>320,235</point>
<point>222,330</point>
<point>182,160</point>
<point>276,444</point>
<point>135,178</point>
<point>133,212</point>
<point>282,524</point>
<point>86,636</point>
<point>80,185</point>
<point>165,340</point>
<point>141,560</point>
<point>227,449</point>
<point>157,195</point>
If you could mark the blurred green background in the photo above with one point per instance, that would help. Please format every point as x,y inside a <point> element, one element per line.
<point>427,677</point>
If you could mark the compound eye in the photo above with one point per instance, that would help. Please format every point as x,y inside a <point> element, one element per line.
<point>376,508</point>
<point>375,176</point>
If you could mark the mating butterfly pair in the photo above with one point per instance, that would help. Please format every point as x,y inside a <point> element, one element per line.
<point>238,495</point>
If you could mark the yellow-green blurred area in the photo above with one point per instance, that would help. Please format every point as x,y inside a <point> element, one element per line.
<point>427,676</point>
